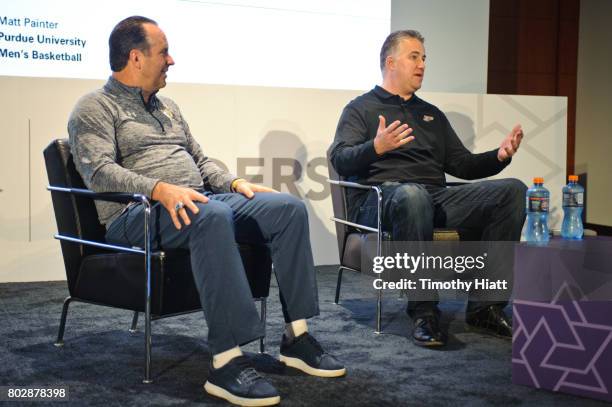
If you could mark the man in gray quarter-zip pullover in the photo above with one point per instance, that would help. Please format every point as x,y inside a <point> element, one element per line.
<point>125,138</point>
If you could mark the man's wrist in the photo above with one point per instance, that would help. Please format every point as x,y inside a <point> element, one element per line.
<point>235,183</point>
<point>155,191</point>
<point>377,148</point>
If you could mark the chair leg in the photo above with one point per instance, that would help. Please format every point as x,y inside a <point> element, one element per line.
<point>60,335</point>
<point>147,378</point>
<point>147,264</point>
<point>134,322</point>
<point>262,340</point>
<point>338,284</point>
<point>378,313</point>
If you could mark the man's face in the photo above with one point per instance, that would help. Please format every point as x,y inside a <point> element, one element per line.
<point>407,65</point>
<point>155,62</point>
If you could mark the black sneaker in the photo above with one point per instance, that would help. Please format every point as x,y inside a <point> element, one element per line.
<point>491,320</point>
<point>306,354</point>
<point>239,383</point>
<point>427,332</point>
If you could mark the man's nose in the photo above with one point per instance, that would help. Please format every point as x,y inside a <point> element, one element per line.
<point>169,60</point>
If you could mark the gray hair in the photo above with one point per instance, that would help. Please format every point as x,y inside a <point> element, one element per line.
<point>393,40</point>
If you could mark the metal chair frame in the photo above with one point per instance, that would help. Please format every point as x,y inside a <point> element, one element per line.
<point>146,252</point>
<point>379,237</point>
<point>377,230</point>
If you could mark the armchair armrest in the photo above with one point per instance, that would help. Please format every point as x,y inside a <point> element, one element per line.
<point>120,197</point>
<point>348,184</point>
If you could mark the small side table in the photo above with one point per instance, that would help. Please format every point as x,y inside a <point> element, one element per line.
<point>562,313</point>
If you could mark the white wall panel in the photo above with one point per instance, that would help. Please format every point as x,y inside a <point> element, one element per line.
<point>236,123</point>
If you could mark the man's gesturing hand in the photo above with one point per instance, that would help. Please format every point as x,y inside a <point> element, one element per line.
<point>510,144</point>
<point>391,137</point>
<point>173,197</point>
<point>247,189</point>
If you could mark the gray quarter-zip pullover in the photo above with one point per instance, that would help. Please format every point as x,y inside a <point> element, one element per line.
<point>121,144</point>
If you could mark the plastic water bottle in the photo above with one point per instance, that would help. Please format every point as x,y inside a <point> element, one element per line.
<point>573,202</point>
<point>537,203</point>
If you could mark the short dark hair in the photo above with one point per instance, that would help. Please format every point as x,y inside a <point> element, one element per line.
<point>127,35</point>
<point>392,41</point>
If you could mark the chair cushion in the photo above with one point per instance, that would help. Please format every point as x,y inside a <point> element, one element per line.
<point>446,234</point>
<point>118,280</point>
<point>115,279</point>
<point>359,248</point>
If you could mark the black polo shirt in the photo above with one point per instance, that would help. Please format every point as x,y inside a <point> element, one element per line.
<point>436,149</point>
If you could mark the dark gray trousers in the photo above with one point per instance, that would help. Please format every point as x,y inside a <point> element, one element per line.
<point>278,220</point>
<point>492,210</point>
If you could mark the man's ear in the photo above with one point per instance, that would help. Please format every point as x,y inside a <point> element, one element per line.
<point>389,63</point>
<point>135,58</point>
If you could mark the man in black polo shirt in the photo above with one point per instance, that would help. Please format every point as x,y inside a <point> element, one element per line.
<point>391,137</point>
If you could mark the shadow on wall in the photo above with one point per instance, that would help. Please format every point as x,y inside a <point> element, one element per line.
<point>464,127</point>
<point>287,146</point>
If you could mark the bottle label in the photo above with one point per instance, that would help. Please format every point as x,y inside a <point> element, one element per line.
<point>573,199</point>
<point>537,204</point>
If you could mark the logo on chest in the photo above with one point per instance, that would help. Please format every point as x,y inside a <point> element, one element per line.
<point>168,113</point>
<point>427,118</point>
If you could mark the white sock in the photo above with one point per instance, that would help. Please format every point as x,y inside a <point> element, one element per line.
<point>296,328</point>
<point>221,359</point>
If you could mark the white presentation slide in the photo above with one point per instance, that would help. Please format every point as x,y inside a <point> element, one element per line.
<point>326,44</point>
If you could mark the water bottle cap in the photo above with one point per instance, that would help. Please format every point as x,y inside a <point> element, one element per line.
<point>573,178</point>
<point>538,180</point>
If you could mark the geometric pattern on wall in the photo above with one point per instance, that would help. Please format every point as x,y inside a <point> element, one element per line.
<point>565,345</point>
<point>539,125</point>
<point>482,122</point>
